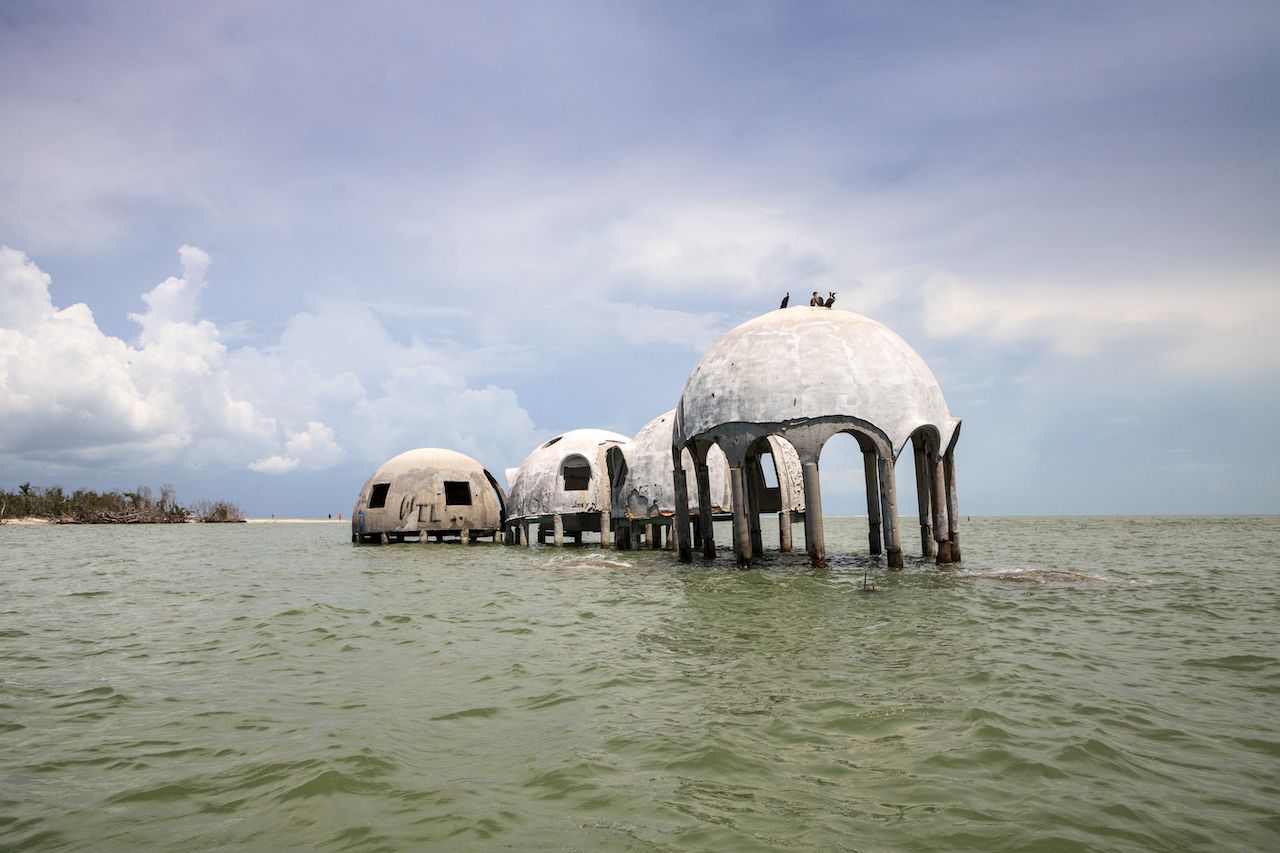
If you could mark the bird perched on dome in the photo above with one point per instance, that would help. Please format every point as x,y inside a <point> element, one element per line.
<point>815,300</point>
<point>785,300</point>
<point>831,299</point>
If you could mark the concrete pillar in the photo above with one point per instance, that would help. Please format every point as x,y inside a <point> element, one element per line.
<point>382,539</point>
<point>873,501</point>
<point>423,538</point>
<point>464,536</point>
<point>940,509</point>
<point>784,531</point>
<point>754,482</point>
<point>704,513</point>
<point>634,529</point>
<point>813,515</point>
<point>524,533</point>
<point>741,527</point>
<point>655,538</point>
<point>923,500</point>
<point>953,505</point>
<point>557,528</point>
<point>681,521</point>
<point>889,506</point>
<point>605,541</point>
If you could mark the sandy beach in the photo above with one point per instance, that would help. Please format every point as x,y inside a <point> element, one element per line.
<point>298,520</point>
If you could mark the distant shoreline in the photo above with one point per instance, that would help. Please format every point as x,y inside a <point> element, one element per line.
<point>36,520</point>
<point>298,520</point>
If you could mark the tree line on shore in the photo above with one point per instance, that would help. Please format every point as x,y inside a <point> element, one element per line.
<point>84,506</point>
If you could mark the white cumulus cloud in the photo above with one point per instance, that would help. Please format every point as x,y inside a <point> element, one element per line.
<point>71,395</point>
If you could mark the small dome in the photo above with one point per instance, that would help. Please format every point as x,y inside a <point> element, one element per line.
<point>565,474</point>
<point>803,363</point>
<point>647,488</point>
<point>429,489</point>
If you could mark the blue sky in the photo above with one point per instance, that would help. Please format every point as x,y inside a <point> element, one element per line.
<point>255,249</point>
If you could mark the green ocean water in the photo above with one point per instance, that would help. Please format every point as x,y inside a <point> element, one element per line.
<point>1076,684</point>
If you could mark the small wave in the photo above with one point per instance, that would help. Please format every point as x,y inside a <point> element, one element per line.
<point>468,713</point>
<point>332,782</point>
<point>1237,663</point>
<point>1040,576</point>
<point>576,563</point>
<point>161,793</point>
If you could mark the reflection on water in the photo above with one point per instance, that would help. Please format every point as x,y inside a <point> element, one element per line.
<point>1075,684</point>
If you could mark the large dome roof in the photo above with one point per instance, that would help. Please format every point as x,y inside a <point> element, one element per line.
<point>802,363</point>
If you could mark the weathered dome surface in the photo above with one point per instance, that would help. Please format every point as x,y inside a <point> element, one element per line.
<point>802,363</point>
<point>539,485</point>
<point>430,488</point>
<point>649,486</point>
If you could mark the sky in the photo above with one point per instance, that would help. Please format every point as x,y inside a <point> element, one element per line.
<point>254,250</point>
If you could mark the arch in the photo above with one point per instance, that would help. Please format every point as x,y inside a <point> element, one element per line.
<point>502,497</point>
<point>575,474</point>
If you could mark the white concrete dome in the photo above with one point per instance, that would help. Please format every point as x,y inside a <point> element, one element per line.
<point>564,474</point>
<point>429,489</point>
<point>647,487</point>
<point>798,364</point>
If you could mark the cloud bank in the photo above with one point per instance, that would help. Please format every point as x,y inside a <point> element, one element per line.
<point>179,395</point>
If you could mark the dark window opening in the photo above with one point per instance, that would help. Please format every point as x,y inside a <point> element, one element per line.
<point>457,493</point>
<point>577,475</point>
<point>378,497</point>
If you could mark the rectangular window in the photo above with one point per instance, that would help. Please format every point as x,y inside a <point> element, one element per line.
<point>457,493</point>
<point>577,478</point>
<point>378,497</point>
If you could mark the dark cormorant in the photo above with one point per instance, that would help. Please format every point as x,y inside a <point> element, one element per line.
<point>830,299</point>
<point>815,300</point>
<point>785,300</point>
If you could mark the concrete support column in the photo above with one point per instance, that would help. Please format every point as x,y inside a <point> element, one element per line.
<point>557,527</point>
<point>464,536</point>
<point>813,515</point>
<point>635,536</point>
<point>654,534</point>
<point>940,509</point>
<point>923,500</point>
<point>873,501</point>
<point>889,507</point>
<point>754,482</point>
<point>681,521</point>
<point>784,531</point>
<point>741,528</point>
<point>524,533</point>
<point>605,541</point>
<point>705,524</point>
<point>382,539</point>
<point>953,506</point>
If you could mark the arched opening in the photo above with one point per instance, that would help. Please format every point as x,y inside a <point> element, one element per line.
<point>575,474</point>
<point>928,467</point>
<point>850,495</point>
<point>616,470</point>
